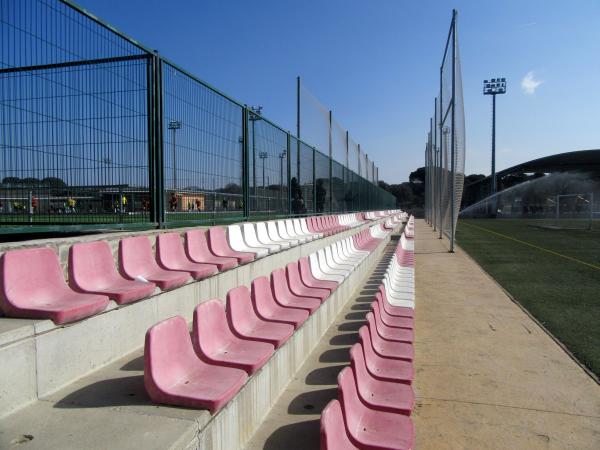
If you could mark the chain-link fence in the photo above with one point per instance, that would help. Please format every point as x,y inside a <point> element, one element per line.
<point>99,131</point>
<point>445,149</point>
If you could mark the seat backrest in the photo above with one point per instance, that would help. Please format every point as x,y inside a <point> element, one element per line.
<point>30,274</point>
<point>364,335</point>
<point>304,268</point>
<point>136,256</point>
<point>281,290</point>
<point>293,277</point>
<point>210,331</point>
<point>349,400</point>
<point>273,231</point>
<point>169,248</point>
<point>168,351</point>
<point>240,312</point>
<point>262,295</point>
<point>333,428</point>
<point>196,244</point>
<point>91,265</point>
<point>359,365</point>
<point>217,241</point>
<point>236,239</point>
<point>250,235</point>
<point>282,230</point>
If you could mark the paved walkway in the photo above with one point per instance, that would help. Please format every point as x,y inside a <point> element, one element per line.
<point>487,377</point>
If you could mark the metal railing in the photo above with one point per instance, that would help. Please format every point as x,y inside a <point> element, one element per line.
<point>97,131</point>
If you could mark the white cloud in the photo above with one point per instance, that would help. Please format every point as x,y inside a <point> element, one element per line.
<point>529,83</point>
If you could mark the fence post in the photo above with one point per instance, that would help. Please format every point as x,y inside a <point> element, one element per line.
<point>314,177</point>
<point>289,173</point>
<point>330,162</point>
<point>453,136</point>
<point>155,142</point>
<point>246,164</point>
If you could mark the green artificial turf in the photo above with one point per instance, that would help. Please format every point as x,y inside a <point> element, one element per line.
<point>560,286</point>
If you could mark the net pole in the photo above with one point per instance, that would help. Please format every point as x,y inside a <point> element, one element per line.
<point>298,107</point>
<point>453,138</point>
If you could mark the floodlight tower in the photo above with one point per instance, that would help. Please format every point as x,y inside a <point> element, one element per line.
<point>494,87</point>
<point>174,125</point>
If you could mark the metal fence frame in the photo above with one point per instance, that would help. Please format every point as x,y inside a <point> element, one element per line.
<point>213,160</point>
<point>445,147</point>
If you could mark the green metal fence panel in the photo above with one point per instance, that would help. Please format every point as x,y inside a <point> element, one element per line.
<point>269,169</point>
<point>97,130</point>
<point>202,151</point>
<point>74,119</point>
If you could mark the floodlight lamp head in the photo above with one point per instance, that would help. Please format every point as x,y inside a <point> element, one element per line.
<point>174,125</point>
<point>494,86</point>
<point>263,155</point>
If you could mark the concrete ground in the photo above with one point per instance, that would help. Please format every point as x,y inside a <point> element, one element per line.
<point>487,377</point>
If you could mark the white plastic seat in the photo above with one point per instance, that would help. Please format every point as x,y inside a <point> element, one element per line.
<point>299,231</point>
<point>328,266</point>
<point>237,243</point>
<point>337,258</point>
<point>251,238</point>
<point>282,230</point>
<point>323,273</point>
<point>304,227</point>
<point>289,227</point>
<point>264,238</point>
<point>277,237</point>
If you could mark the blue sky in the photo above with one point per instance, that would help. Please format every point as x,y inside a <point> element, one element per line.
<point>376,64</point>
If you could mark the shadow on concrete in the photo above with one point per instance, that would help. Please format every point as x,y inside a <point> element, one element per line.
<point>348,339</point>
<point>124,391</point>
<point>335,355</point>
<point>295,436</point>
<point>324,376</point>
<point>136,365</point>
<point>312,402</point>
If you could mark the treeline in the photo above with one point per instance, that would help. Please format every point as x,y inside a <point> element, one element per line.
<point>410,195</point>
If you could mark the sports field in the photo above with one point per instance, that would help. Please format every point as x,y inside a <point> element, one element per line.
<point>553,273</point>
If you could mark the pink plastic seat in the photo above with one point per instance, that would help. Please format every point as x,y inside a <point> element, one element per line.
<point>378,394</point>
<point>171,255</point>
<point>384,368</point>
<point>388,333</point>
<point>310,281</point>
<point>215,343</point>
<point>391,321</point>
<point>368,428</point>
<point>218,244</point>
<point>92,269</point>
<point>268,309</point>
<point>396,311</point>
<point>174,375</point>
<point>298,288</point>
<point>333,429</point>
<point>389,349</point>
<point>197,249</point>
<point>247,325</point>
<point>32,286</point>
<point>285,297</point>
<point>137,260</point>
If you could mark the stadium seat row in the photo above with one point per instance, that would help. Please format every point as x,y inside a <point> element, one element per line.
<point>33,285</point>
<point>230,343</point>
<point>375,394</point>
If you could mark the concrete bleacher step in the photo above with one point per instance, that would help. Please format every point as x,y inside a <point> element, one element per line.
<point>240,417</point>
<point>293,422</point>
<point>43,357</point>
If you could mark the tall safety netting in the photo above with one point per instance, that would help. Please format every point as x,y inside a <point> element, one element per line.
<point>446,146</point>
